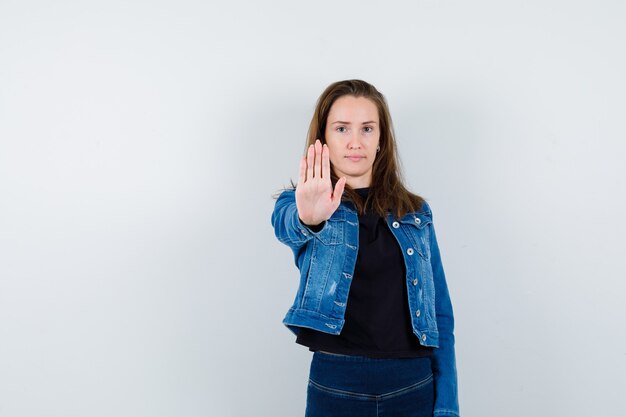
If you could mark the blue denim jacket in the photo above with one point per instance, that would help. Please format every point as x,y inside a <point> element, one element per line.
<point>326,260</point>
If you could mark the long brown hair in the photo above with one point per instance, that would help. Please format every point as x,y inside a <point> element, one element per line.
<point>387,190</point>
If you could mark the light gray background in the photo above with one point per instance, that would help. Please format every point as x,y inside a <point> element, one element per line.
<point>140,144</point>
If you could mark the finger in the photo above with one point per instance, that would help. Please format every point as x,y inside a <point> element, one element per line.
<point>325,162</point>
<point>302,172</point>
<point>317,170</point>
<point>338,192</point>
<point>309,162</point>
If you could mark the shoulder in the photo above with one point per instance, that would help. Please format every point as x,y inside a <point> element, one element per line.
<point>286,195</point>
<point>287,192</point>
<point>424,210</point>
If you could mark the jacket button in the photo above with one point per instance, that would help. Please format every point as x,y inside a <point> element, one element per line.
<point>418,313</point>
<point>415,281</point>
<point>424,337</point>
<point>303,232</point>
<point>395,225</point>
<point>417,220</point>
<point>409,251</point>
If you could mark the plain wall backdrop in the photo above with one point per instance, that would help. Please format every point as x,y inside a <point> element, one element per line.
<point>141,143</point>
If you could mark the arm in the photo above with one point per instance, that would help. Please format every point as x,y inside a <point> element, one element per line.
<point>288,227</point>
<point>313,200</point>
<point>444,359</point>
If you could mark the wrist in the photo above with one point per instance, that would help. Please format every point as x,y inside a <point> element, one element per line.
<point>316,227</point>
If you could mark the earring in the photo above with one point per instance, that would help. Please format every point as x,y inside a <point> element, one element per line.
<point>378,148</point>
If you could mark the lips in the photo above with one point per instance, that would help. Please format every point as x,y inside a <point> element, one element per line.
<point>355,157</point>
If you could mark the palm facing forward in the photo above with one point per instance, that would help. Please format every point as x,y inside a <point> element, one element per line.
<point>315,198</point>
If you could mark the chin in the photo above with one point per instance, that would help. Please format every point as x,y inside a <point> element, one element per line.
<point>353,174</point>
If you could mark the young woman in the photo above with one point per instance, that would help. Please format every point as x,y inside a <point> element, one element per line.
<point>373,303</point>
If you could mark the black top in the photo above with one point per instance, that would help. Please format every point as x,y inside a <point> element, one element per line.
<point>377,318</point>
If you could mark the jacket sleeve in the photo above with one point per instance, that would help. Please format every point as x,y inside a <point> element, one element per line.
<point>444,358</point>
<point>287,225</point>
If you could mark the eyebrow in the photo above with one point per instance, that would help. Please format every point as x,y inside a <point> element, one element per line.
<point>347,123</point>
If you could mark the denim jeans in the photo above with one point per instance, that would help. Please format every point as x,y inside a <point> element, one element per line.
<point>351,386</point>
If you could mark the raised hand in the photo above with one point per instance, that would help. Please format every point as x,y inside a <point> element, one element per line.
<point>315,198</point>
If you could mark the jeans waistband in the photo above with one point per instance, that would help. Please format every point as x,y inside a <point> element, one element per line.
<point>368,375</point>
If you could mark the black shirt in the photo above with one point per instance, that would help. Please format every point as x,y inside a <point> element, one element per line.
<point>377,318</point>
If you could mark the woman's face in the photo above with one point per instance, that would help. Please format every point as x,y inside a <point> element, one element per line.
<point>352,135</point>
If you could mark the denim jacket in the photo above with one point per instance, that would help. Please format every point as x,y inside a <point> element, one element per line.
<point>326,260</point>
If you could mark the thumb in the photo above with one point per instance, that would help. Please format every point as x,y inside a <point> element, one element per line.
<point>339,187</point>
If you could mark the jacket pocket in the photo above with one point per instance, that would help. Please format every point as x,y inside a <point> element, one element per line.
<point>333,231</point>
<point>419,233</point>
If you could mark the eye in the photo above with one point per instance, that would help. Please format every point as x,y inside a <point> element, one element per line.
<point>339,129</point>
<point>368,129</point>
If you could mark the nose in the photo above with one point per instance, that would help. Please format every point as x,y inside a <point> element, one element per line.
<point>354,142</point>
